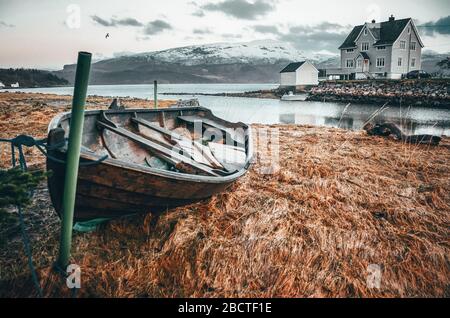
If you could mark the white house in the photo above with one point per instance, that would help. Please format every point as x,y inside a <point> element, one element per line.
<point>386,49</point>
<point>2,85</point>
<point>299,74</point>
<point>15,85</point>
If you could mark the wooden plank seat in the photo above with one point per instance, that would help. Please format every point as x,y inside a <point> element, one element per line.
<point>197,151</point>
<point>180,161</point>
<point>229,132</point>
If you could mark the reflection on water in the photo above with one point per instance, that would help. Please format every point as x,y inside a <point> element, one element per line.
<point>299,119</point>
<point>417,120</point>
<point>410,124</point>
<point>414,120</point>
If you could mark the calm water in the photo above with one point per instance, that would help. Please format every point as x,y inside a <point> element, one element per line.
<point>417,120</point>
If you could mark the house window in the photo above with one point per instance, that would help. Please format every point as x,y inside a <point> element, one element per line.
<point>412,46</point>
<point>349,63</point>
<point>399,62</point>
<point>350,50</point>
<point>365,46</point>
<point>380,61</point>
<point>409,30</point>
<point>380,48</point>
<point>413,62</point>
<point>358,63</point>
<point>402,45</point>
<point>365,31</point>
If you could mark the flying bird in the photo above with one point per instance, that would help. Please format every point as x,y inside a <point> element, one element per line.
<point>107,35</point>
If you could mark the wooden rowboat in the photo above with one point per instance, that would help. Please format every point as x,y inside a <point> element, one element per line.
<point>155,159</point>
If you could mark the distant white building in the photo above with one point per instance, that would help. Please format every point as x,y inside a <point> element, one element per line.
<point>2,85</point>
<point>15,85</point>
<point>299,74</point>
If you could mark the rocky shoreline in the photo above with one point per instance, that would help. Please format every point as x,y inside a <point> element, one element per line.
<point>425,93</point>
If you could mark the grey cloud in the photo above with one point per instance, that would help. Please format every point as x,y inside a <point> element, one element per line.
<point>324,36</point>
<point>151,28</point>
<point>231,36</point>
<point>202,31</point>
<point>156,26</point>
<point>198,13</point>
<point>114,22</point>
<point>142,38</point>
<point>321,27</point>
<point>101,21</point>
<point>441,26</point>
<point>266,29</point>
<point>129,22</point>
<point>241,9</point>
<point>6,25</point>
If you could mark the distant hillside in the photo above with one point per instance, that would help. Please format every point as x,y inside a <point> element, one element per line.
<point>430,60</point>
<point>30,78</point>
<point>120,71</point>
<point>251,62</point>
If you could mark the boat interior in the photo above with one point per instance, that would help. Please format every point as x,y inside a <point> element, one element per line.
<point>185,140</point>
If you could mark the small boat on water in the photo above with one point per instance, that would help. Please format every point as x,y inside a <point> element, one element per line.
<point>155,159</point>
<point>294,97</point>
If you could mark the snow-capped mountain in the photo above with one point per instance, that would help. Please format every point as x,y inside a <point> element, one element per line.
<point>227,53</point>
<point>257,61</point>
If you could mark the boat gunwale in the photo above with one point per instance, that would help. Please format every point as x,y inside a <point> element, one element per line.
<point>56,121</point>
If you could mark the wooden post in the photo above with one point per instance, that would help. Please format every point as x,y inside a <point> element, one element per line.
<point>155,94</point>
<point>73,156</point>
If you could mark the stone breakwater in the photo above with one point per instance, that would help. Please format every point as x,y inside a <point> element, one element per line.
<point>426,93</point>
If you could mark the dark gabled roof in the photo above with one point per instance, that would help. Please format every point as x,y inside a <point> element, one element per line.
<point>292,67</point>
<point>364,55</point>
<point>388,32</point>
<point>350,40</point>
<point>375,32</point>
<point>391,30</point>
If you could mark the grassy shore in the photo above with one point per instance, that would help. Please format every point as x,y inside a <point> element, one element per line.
<point>30,113</point>
<point>336,205</point>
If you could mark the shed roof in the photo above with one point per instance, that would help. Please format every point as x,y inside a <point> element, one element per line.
<point>292,67</point>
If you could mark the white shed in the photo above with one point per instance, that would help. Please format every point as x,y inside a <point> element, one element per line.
<point>15,85</point>
<point>299,74</point>
<point>2,85</point>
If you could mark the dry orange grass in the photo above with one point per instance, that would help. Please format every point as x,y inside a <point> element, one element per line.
<point>336,202</point>
<point>30,113</point>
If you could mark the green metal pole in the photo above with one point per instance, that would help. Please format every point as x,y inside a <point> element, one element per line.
<point>155,94</point>
<point>73,155</point>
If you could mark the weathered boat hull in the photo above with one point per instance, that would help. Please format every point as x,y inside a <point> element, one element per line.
<point>114,188</point>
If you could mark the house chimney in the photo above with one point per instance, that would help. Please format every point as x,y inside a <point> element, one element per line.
<point>391,18</point>
<point>373,21</point>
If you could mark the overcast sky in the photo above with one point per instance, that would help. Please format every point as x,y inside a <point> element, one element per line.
<point>49,33</point>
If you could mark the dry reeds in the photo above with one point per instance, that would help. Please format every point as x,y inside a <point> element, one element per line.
<point>336,203</point>
<point>30,113</point>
